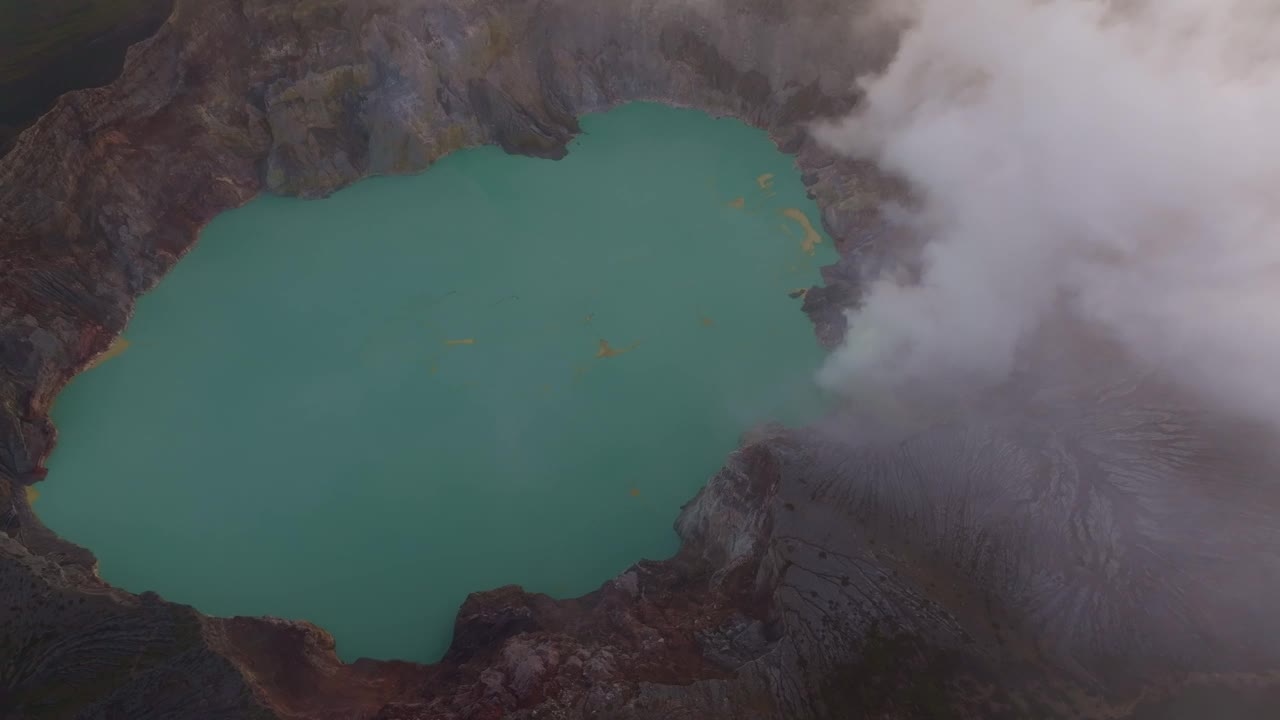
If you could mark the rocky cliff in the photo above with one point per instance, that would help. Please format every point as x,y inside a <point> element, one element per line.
<point>52,46</point>
<point>1032,563</point>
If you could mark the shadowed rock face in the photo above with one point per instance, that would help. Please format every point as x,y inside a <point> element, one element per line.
<point>52,46</point>
<point>1087,546</point>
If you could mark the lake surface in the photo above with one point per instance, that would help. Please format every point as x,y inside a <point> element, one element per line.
<point>357,410</point>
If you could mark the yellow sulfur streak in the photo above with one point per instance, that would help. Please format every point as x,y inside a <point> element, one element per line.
<point>118,346</point>
<point>608,352</point>
<point>811,236</point>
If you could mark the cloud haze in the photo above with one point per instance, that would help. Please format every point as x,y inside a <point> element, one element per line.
<point>1117,162</point>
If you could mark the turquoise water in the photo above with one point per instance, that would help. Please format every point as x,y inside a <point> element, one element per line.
<point>357,410</point>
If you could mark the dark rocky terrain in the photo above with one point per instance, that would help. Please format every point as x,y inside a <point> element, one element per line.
<point>1090,546</point>
<point>52,46</point>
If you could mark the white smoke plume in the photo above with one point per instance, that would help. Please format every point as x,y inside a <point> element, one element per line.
<point>1116,161</point>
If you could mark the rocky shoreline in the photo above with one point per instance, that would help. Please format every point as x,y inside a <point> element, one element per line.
<point>815,580</point>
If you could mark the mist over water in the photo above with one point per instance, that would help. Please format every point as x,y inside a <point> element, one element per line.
<point>1111,164</point>
<point>358,410</point>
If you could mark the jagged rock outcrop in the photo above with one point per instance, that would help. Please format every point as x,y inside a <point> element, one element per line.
<point>1031,562</point>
